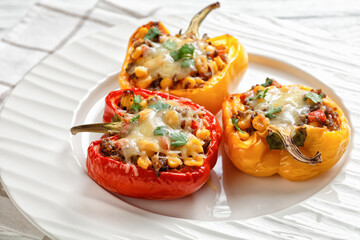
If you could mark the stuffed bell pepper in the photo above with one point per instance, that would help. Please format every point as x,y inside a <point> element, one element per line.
<point>157,146</point>
<point>185,65</point>
<point>293,130</point>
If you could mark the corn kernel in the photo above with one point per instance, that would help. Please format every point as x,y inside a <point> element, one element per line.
<point>142,32</point>
<point>174,162</point>
<point>141,72</point>
<point>194,146</point>
<point>219,62</point>
<point>137,53</point>
<point>165,83</point>
<point>127,99</point>
<point>210,48</point>
<point>189,82</point>
<point>245,123</point>
<point>143,103</point>
<point>199,81</point>
<point>214,66</point>
<point>148,145</point>
<point>144,83</point>
<point>143,115</point>
<point>219,44</point>
<point>260,122</point>
<point>194,161</point>
<point>143,162</point>
<point>243,135</point>
<point>172,118</point>
<point>202,133</point>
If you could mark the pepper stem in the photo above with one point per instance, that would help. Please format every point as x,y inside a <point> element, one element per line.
<point>295,152</point>
<point>193,28</point>
<point>97,128</point>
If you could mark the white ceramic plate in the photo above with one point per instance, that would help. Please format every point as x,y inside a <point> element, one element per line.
<point>42,167</point>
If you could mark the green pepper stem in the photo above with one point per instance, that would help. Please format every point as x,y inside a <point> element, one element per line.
<point>295,152</point>
<point>97,128</point>
<point>193,28</point>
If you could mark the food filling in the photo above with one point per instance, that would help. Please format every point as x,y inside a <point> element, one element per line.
<point>160,61</point>
<point>283,107</point>
<point>158,133</point>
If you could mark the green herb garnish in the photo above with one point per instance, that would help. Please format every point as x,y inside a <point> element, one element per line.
<point>168,44</point>
<point>261,94</point>
<point>175,55</point>
<point>315,98</point>
<point>178,139</point>
<point>159,106</point>
<point>268,82</point>
<point>187,50</point>
<point>152,33</point>
<point>185,54</point>
<point>161,131</point>
<point>187,63</point>
<point>271,110</point>
<point>235,122</point>
<point>136,106</point>
<point>134,119</point>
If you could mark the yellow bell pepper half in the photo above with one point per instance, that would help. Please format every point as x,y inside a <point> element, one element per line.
<point>252,154</point>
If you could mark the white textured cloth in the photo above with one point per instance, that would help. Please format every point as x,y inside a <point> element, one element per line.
<point>50,25</point>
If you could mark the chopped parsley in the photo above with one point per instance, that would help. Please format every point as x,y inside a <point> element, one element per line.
<point>271,110</point>
<point>168,44</point>
<point>268,82</point>
<point>175,55</point>
<point>185,54</point>
<point>152,33</point>
<point>187,63</point>
<point>136,106</point>
<point>134,119</point>
<point>235,122</point>
<point>261,94</point>
<point>315,98</point>
<point>178,139</point>
<point>161,131</point>
<point>187,50</point>
<point>159,106</point>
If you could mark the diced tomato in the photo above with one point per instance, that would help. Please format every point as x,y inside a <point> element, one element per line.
<point>243,96</point>
<point>317,116</point>
<point>194,125</point>
<point>164,142</point>
<point>276,84</point>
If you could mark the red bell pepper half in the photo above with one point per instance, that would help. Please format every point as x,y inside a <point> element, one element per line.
<point>131,180</point>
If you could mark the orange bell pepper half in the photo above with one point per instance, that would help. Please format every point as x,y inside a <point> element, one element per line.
<point>204,70</point>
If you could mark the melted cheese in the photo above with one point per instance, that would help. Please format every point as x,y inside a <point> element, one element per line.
<point>129,145</point>
<point>159,63</point>
<point>290,99</point>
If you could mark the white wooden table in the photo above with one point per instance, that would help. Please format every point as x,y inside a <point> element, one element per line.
<point>340,20</point>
